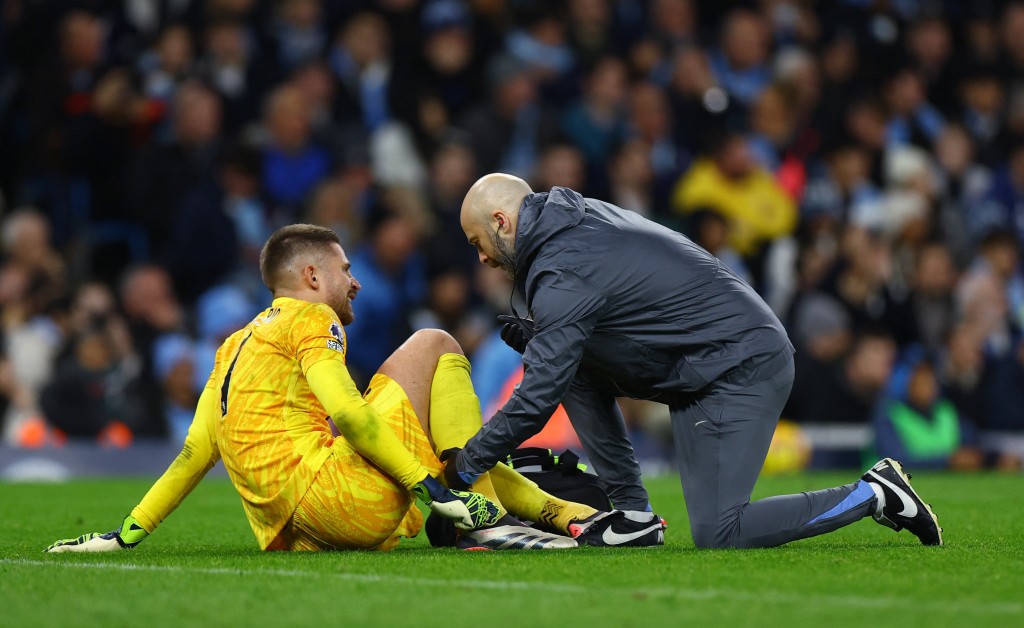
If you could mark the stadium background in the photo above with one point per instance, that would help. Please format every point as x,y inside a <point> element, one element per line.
<point>860,163</point>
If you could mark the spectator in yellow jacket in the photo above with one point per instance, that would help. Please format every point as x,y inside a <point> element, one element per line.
<point>730,183</point>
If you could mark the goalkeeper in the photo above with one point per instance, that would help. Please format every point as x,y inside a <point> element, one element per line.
<point>319,466</point>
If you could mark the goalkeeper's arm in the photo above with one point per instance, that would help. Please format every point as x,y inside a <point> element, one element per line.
<point>197,456</point>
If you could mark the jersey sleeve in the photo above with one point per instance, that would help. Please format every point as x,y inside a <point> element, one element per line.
<point>197,457</point>
<point>317,335</point>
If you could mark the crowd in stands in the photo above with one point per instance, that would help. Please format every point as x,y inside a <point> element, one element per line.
<point>859,162</point>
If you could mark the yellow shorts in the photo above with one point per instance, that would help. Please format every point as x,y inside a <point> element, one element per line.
<point>352,504</point>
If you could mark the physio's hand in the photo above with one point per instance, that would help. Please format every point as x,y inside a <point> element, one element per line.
<point>516,332</point>
<point>469,511</point>
<point>130,534</point>
<point>455,479</point>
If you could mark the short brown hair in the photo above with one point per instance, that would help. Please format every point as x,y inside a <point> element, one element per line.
<point>287,243</point>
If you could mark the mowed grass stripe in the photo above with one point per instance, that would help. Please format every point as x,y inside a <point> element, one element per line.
<point>706,594</point>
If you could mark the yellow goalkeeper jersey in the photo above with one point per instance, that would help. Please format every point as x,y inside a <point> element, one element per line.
<point>259,413</point>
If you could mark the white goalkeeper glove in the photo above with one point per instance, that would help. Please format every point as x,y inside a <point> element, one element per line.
<point>469,511</point>
<point>130,534</point>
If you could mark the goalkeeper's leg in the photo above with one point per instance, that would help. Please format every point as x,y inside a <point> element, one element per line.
<point>415,366</point>
<point>455,418</point>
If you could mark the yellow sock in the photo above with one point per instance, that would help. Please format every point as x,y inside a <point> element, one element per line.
<point>455,413</point>
<point>526,500</point>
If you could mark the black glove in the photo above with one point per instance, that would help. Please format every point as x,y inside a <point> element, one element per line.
<point>516,332</point>
<point>456,480</point>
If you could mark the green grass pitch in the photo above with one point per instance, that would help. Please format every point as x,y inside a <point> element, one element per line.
<point>203,568</point>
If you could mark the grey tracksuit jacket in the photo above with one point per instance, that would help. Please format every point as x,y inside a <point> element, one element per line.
<point>622,307</point>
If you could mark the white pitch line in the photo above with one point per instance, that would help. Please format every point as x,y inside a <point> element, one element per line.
<point>726,595</point>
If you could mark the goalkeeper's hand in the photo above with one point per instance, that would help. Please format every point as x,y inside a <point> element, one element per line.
<point>130,534</point>
<point>469,511</point>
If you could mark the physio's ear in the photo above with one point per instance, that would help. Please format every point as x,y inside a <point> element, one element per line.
<point>502,221</point>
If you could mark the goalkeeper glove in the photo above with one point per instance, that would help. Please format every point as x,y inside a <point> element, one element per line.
<point>127,536</point>
<point>469,511</point>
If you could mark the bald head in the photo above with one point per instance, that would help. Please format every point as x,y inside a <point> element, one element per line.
<point>489,216</point>
<point>494,192</point>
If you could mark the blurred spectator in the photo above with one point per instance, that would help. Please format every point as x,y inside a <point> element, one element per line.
<point>159,177</point>
<point>393,279</point>
<point>673,22</point>
<point>174,364</point>
<point>981,36</point>
<point>57,91</point>
<point>452,172</point>
<point>596,122</point>
<point>731,183</point>
<point>151,308</point>
<point>508,131</point>
<point>335,204</point>
<point>839,83</point>
<point>929,43</point>
<point>33,309</point>
<point>447,307</point>
<point>316,84</point>
<point>97,392</point>
<point>982,111</point>
<point>696,99</point>
<point>166,67</point>
<point>293,162</point>
<point>865,122</point>
<point>431,95</point>
<point>227,65</point>
<point>960,370</point>
<point>631,176</point>
<point>650,121</point>
<point>916,425</point>
<point>740,62</point>
<point>932,297</point>
<point>540,44</point>
<point>911,118</point>
<point>296,34</point>
<point>563,165</point>
<point>861,284</point>
<point>843,188</point>
<point>361,60</point>
<point>996,270</point>
<point>822,335</point>
<point>17,408</point>
<point>961,184</point>
<point>773,123</point>
<point>1003,203</point>
<point>590,29</point>
<point>844,391</point>
<point>28,251</point>
<point>219,227</point>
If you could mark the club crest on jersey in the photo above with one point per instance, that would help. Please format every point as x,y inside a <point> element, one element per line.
<point>338,342</point>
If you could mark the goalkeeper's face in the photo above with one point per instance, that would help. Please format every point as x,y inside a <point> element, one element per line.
<point>340,286</point>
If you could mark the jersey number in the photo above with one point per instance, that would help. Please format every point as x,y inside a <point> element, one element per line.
<point>227,379</point>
